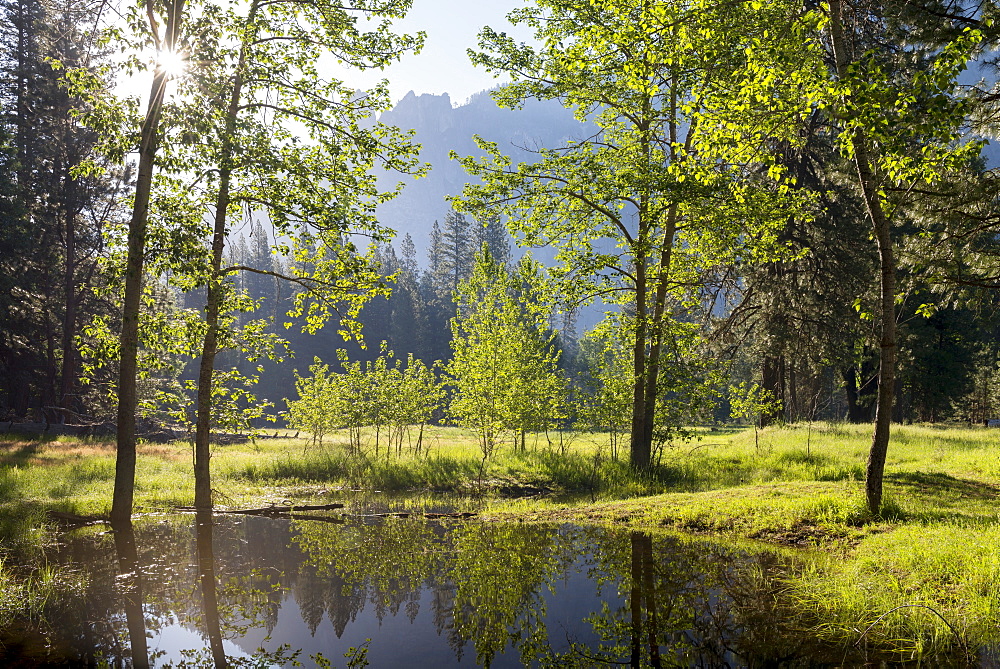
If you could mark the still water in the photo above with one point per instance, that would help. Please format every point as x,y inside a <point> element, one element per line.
<point>409,592</point>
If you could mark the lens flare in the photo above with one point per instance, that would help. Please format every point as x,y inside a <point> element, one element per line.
<point>172,62</point>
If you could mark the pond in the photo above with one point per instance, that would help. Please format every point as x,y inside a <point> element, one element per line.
<point>335,590</point>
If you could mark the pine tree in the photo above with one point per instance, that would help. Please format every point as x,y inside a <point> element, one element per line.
<point>457,251</point>
<point>65,213</point>
<point>494,235</point>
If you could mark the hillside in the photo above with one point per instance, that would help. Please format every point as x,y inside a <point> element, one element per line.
<point>441,128</point>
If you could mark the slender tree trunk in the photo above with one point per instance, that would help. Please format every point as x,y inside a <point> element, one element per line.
<point>68,371</point>
<point>887,287</point>
<point>210,347</point>
<point>121,506</point>
<point>639,447</point>
<point>649,335</point>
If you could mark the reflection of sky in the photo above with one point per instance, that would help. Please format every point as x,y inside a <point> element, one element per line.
<point>173,638</point>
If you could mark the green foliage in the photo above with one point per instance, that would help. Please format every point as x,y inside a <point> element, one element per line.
<point>253,131</point>
<point>386,392</point>
<point>690,99</point>
<point>748,401</point>
<point>312,411</point>
<point>504,368</point>
<point>917,122</point>
<point>608,397</point>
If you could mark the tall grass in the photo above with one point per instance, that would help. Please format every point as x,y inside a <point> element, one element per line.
<point>945,465</point>
<point>920,590</point>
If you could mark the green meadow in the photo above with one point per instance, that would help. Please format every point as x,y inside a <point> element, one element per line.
<point>922,578</point>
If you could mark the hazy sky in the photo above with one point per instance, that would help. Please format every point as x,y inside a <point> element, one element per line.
<point>443,66</point>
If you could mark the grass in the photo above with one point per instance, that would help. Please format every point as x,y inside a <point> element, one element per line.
<point>921,578</point>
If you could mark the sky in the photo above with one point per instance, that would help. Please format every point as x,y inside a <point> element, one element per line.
<point>443,66</point>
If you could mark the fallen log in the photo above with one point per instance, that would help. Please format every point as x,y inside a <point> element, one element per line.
<point>74,520</point>
<point>272,510</point>
<point>295,511</point>
<point>338,519</point>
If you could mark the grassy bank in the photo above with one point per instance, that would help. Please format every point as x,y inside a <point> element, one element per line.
<point>921,577</point>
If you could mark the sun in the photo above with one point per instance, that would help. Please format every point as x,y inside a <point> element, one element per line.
<point>172,62</point>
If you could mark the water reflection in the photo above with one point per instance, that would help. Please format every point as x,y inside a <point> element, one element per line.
<point>130,594</point>
<point>231,591</point>
<point>206,575</point>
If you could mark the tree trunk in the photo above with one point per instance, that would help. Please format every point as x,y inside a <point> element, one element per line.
<point>68,371</point>
<point>203,427</point>
<point>887,288</point>
<point>772,380</point>
<point>215,290</point>
<point>649,335</point>
<point>640,447</point>
<point>121,505</point>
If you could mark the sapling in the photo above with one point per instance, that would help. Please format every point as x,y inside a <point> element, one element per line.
<point>749,401</point>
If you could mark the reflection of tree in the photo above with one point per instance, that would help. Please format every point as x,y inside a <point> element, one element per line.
<point>500,571</point>
<point>206,573</point>
<point>257,570</point>
<point>130,582</point>
<point>486,580</point>
<point>309,595</point>
<point>393,558</point>
<point>685,603</point>
<point>385,564</point>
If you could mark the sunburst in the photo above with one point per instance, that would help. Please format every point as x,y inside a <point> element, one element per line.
<point>172,62</point>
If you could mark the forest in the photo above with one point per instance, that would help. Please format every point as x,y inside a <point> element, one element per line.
<point>780,232</point>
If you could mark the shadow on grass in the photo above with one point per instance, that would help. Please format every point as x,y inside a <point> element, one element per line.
<point>937,497</point>
<point>19,455</point>
<point>12,463</point>
<point>937,484</point>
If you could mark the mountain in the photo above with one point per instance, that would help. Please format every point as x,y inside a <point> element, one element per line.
<point>441,128</point>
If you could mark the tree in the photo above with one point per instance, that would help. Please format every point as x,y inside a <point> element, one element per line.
<point>419,396</point>
<point>504,368</point>
<point>60,220</point>
<point>257,75</point>
<point>607,389</point>
<point>165,43</point>
<point>493,233</point>
<point>314,411</point>
<point>750,402</point>
<point>685,96</point>
<point>903,133</point>
<point>453,246</point>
